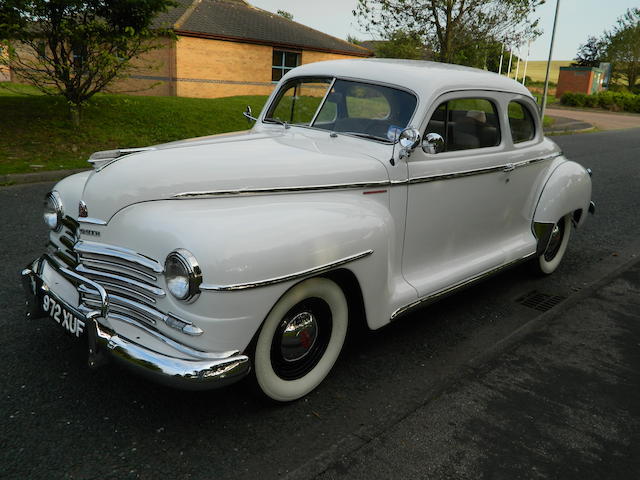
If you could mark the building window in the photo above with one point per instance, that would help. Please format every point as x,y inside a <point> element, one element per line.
<point>282,63</point>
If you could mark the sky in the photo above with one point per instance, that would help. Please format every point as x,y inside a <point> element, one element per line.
<point>576,21</point>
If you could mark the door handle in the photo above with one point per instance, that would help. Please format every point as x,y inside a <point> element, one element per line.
<point>509,167</point>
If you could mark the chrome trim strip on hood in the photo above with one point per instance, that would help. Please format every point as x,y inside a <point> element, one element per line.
<point>285,278</point>
<point>262,191</point>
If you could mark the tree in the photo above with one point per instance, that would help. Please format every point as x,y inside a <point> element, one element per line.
<point>623,47</point>
<point>401,45</point>
<point>451,27</point>
<point>591,53</point>
<point>285,14</point>
<point>77,48</point>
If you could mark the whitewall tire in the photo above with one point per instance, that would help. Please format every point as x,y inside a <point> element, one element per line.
<point>552,256</point>
<point>301,339</point>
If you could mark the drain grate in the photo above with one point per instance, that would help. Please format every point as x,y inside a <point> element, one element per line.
<point>540,301</point>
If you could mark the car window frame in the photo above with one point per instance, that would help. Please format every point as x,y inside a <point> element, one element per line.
<point>535,114</point>
<point>495,97</point>
<point>334,78</point>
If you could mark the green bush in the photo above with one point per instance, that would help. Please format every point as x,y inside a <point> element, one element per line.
<point>609,100</point>
<point>573,99</point>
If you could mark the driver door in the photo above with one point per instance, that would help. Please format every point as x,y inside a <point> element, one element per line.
<point>456,199</point>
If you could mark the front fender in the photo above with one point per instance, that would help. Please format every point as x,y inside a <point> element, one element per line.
<point>240,240</point>
<point>567,190</point>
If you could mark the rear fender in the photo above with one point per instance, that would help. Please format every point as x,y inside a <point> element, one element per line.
<point>566,192</point>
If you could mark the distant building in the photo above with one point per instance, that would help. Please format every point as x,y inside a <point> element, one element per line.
<point>229,47</point>
<point>587,80</point>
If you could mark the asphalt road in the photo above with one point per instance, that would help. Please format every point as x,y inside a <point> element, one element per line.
<point>60,420</point>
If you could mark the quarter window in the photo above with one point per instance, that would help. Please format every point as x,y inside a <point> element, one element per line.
<point>283,61</point>
<point>466,123</point>
<point>523,127</point>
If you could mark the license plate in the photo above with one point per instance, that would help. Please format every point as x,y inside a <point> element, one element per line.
<point>62,316</point>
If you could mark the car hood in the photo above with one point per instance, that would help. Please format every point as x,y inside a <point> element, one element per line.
<point>227,163</point>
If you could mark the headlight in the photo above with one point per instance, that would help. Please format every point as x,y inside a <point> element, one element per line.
<point>53,211</point>
<point>183,275</point>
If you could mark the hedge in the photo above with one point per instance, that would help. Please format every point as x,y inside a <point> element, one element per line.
<point>614,101</point>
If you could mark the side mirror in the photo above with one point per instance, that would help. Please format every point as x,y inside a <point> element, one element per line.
<point>409,139</point>
<point>249,115</point>
<point>433,143</point>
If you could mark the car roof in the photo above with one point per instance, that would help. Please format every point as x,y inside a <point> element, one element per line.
<point>424,78</point>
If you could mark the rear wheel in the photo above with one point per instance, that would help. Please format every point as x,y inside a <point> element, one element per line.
<point>550,260</point>
<point>301,340</point>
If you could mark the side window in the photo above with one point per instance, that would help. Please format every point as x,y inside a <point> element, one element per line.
<point>466,123</point>
<point>523,127</point>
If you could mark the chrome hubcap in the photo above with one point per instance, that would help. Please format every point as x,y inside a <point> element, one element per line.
<point>299,337</point>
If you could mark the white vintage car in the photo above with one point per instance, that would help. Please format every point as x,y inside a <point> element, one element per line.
<point>365,189</point>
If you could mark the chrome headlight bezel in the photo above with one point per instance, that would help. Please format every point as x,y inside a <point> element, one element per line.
<point>53,211</point>
<point>183,275</point>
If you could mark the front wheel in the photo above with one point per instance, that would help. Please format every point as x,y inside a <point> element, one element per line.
<point>547,263</point>
<point>301,339</point>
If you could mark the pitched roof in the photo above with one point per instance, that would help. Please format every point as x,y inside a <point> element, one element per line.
<point>237,20</point>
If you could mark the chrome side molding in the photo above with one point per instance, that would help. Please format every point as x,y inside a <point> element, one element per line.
<point>285,278</point>
<point>433,297</point>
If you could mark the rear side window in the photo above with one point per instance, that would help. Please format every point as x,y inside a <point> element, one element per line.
<point>523,127</point>
<point>466,123</point>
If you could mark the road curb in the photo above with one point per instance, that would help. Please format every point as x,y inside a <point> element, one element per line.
<point>568,125</point>
<point>35,177</point>
<point>350,444</point>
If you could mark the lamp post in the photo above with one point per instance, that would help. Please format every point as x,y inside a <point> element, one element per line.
<point>546,80</point>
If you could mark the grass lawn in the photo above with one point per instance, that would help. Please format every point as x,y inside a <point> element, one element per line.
<point>37,134</point>
<point>537,69</point>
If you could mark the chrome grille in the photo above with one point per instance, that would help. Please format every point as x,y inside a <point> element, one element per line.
<point>129,278</point>
<point>61,243</point>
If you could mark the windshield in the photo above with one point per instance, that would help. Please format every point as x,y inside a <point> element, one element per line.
<point>343,106</point>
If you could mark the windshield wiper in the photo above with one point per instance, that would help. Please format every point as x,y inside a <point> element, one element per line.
<point>366,135</point>
<point>278,121</point>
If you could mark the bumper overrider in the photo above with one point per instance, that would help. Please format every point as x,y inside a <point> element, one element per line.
<point>206,371</point>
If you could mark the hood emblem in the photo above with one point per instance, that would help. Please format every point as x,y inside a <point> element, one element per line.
<point>83,211</point>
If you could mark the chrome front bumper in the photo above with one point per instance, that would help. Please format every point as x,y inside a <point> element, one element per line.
<point>103,344</point>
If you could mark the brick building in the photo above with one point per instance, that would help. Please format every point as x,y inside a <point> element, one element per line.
<point>579,80</point>
<point>229,47</point>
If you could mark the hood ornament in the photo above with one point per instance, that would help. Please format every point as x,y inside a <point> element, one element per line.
<point>83,211</point>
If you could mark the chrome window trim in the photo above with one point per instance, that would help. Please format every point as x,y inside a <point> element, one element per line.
<point>432,297</point>
<point>285,278</point>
